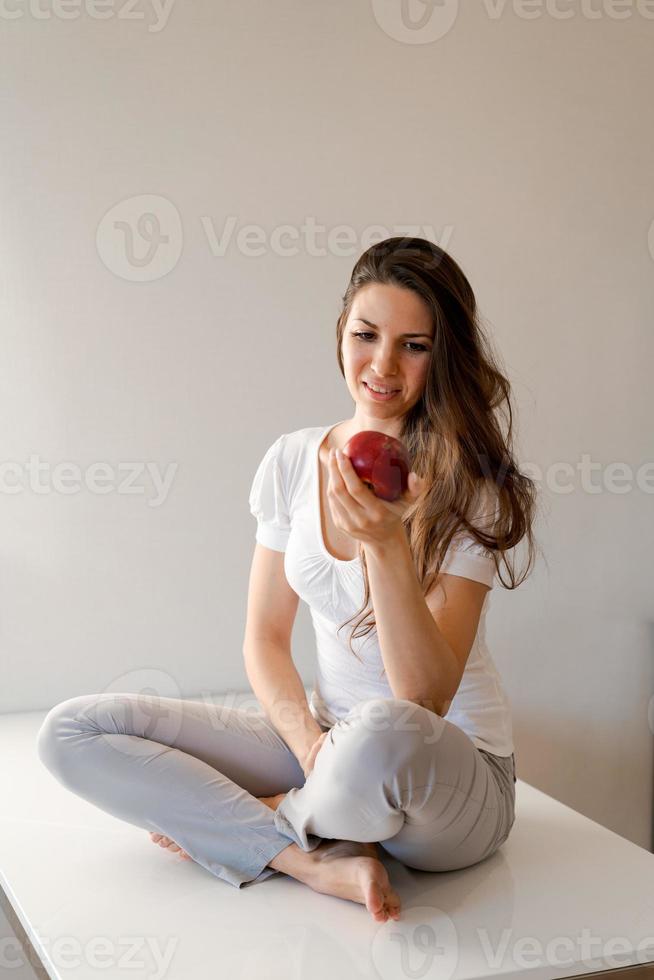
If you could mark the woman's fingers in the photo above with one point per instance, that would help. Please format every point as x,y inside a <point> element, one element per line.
<point>315,749</point>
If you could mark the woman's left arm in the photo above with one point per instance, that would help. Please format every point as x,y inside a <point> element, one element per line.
<point>424,640</point>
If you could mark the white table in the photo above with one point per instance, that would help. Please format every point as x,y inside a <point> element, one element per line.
<point>98,899</point>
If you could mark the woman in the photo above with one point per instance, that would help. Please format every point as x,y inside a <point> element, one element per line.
<point>371,759</point>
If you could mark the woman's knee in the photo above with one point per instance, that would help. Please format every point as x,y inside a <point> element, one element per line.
<point>378,735</point>
<point>394,721</point>
<point>62,722</point>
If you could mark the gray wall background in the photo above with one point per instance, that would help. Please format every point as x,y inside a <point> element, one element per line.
<point>143,324</point>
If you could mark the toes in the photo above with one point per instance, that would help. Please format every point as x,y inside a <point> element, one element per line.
<point>375,899</point>
<point>382,902</point>
<point>169,844</point>
<point>393,906</point>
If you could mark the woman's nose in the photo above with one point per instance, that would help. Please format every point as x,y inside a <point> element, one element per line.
<point>383,364</point>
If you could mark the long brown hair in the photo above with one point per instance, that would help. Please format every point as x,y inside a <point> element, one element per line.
<point>454,433</point>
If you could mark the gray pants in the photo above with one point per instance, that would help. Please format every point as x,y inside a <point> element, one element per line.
<point>391,772</point>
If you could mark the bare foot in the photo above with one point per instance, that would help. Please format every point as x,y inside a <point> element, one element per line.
<point>348,869</point>
<point>169,843</point>
<point>351,870</point>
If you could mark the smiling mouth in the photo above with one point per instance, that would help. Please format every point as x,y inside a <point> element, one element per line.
<point>384,391</point>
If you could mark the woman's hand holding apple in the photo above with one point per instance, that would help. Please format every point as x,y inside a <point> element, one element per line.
<point>372,517</point>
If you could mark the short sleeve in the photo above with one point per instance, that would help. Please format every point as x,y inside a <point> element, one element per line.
<point>466,556</point>
<point>268,501</point>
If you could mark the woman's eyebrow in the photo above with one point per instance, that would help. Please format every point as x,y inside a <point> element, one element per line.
<point>369,324</point>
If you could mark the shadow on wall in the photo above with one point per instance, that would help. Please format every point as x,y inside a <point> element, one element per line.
<point>589,741</point>
<point>650,719</point>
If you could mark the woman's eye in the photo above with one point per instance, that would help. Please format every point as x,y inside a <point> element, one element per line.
<point>417,348</point>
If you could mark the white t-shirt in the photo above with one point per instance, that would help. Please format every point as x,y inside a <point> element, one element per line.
<point>285,499</point>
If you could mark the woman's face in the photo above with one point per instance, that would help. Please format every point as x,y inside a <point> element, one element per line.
<point>383,355</point>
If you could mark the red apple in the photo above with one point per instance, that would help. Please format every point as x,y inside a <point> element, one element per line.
<point>381,461</point>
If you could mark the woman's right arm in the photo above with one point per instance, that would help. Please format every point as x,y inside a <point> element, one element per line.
<point>279,689</point>
<point>271,610</point>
